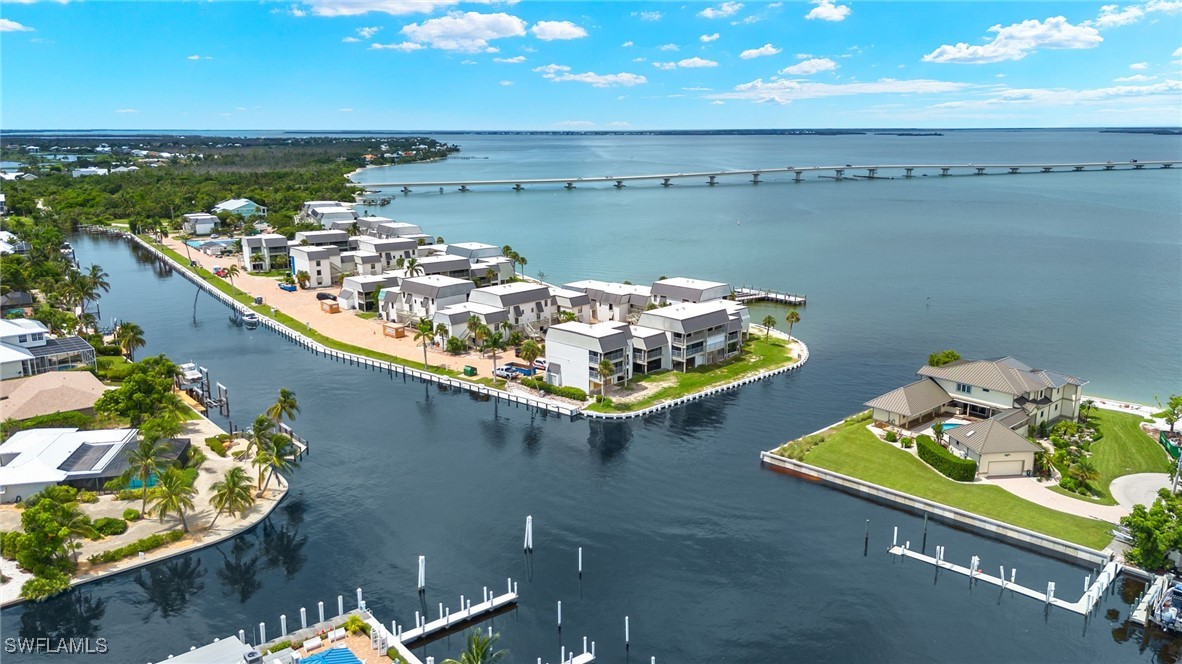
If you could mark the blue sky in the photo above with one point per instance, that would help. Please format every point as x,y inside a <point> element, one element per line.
<point>406,64</point>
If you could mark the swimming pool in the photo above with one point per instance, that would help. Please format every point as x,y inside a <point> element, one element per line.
<point>225,242</point>
<point>948,426</point>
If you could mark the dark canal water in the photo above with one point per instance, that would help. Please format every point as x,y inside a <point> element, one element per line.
<point>714,558</point>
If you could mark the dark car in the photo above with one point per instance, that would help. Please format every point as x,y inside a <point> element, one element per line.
<point>325,296</point>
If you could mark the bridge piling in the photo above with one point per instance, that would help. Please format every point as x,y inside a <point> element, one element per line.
<point>518,187</point>
<point>711,181</point>
<point>909,172</point>
<point>798,177</point>
<point>944,171</point>
<point>665,182</point>
<point>755,178</point>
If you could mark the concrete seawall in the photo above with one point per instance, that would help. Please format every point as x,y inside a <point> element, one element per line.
<point>1044,544</point>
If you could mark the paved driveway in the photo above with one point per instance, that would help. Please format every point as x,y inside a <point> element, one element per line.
<point>1141,488</point>
<point>1127,490</point>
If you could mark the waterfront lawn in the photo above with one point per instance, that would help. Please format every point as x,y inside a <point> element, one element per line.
<point>279,316</point>
<point>852,450</point>
<point>1123,449</point>
<point>112,368</point>
<point>758,355</point>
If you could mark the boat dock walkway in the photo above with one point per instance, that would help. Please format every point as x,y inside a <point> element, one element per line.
<point>750,294</point>
<point>447,620</point>
<point>1093,590</point>
<point>871,172</point>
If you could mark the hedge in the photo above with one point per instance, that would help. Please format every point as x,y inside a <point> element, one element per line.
<point>146,544</point>
<point>87,497</point>
<point>216,445</point>
<point>954,467</point>
<point>130,514</point>
<point>66,420</point>
<point>565,392</point>
<point>130,494</point>
<point>110,526</point>
<point>9,542</point>
<point>282,645</point>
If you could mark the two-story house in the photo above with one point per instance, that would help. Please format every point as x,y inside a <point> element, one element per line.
<point>530,305</point>
<point>574,351</point>
<point>27,349</point>
<point>263,252</point>
<point>613,301</point>
<point>322,264</point>
<point>198,223</point>
<point>421,297</point>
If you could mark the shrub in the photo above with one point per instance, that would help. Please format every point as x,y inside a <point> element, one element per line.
<point>130,494</point>
<point>9,543</point>
<point>87,497</point>
<point>141,545</point>
<point>455,345</point>
<point>799,448</point>
<point>892,437</point>
<point>110,526</point>
<point>354,624</point>
<point>395,656</point>
<point>216,445</point>
<point>907,443</point>
<point>947,463</point>
<point>108,351</point>
<point>565,392</point>
<point>282,645</point>
<point>64,420</point>
<point>50,583</point>
<point>130,514</point>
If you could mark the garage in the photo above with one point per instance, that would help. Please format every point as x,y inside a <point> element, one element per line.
<point>999,468</point>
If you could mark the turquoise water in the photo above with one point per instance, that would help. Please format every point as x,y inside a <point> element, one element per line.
<point>948,426</point>
<point>1077,272</point>
<point>198,243</point>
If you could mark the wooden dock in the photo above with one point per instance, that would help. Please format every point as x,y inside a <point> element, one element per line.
<point>751,294</point>
<point>1093,590</point>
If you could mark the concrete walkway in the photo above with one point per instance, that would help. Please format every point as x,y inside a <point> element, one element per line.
<point>1128,491</point>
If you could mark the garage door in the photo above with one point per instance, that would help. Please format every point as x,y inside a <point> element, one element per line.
<point>1005,468</point>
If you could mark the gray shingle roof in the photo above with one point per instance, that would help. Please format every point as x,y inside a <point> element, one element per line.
<point>991,436</point>
<point>913,399</point>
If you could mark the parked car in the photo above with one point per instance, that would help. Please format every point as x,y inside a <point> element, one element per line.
<point>540,364</point>
<point>506,373</point>
<point>325,296</point>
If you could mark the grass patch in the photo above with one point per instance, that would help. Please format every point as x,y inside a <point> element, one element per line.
<point>1123,449</point>
<point>280,317</point>
<point>852,450</point>
<point>367,315</point>
<point>112,368</point>
<point>758,355</point>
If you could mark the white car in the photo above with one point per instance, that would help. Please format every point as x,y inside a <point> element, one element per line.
<point>540,364</point>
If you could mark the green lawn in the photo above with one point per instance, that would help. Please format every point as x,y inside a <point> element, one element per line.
<point>1124,449</point>
<point>279,316</point>
<point>852,450</point>
<point>758,355</point>
<point>112,368</point>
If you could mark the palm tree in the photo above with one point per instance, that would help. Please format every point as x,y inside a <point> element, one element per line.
<point>400,263</point>
<point>938,429</point>
<point>530,351</point>
<point>97,279</point>
<point>606,369</point>
<point>1086,408</point>
<point>479,650</point>
<point>278,456</point>
<point>424,332</point>
<point>567,316</point>
<point>494,341</point>
<point>76,525</point>
<point>793,318</point>
<point>769,321</point>
<point>232,272</point>
<point>412,267</point>
<point>231,494</point>
<point>173,495</point>
<point>302,278</point>
<point>260,431</point>
<point>144,460</point>
<point>521,260</point>
<point>130,336</point>
<point>285,406</point>
<point>1084,471</point>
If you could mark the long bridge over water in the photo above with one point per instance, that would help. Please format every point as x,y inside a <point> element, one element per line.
<point>846,172</point>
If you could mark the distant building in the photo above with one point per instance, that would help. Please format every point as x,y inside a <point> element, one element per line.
<point>48,393</point>
<point>421,297</point>
<point>87,171</point>
<point>338,239</point>
<point>677,290</point>
<point>243,206</point>
<point>326,213</point>
<point>390,249</point>
<point>199,223</point>
<point>34,460</point>
<point>613,301</point>
<point>261,253</point>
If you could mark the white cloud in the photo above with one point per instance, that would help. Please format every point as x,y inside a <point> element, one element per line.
<point>698,88</point>
<point>506,83</point>
<point>199,57</point>
<point>717,102</point>
<point>706,39</point>
<point>549,71</point>
<point>623,79</point>
<point>7,25</point>
<point>405,47</point>
<point>810,67</point>
<point>1112,16</point>
<point>670,47</point>
<point>468,62</point>
<point>358,7</point>
<point>366,33</point>
<point>468,31</point>
<point>349,40</point>
<point>722,10</point>
<point>1009,97</point>
<point>557,30</point>
<point>1138,66</point>
<point>344,110</point>
<point>640,59</point>
<point>574,123</point>
<point>748,20</point>
<point>1135,78</point>
<point>648,16</point>
<point>785,91</point>
<point>803,56</point>
<point>688,63</point>
<point>1177,52</point>
<point>127,110</point>
<point>775,5</point>
<point>626,44</point>
<point>513,60</point>
<point>295,11</point>
<point>619,123</point>
<point>826,10</point>
<point>1016,41</point>
<point>762,51</point>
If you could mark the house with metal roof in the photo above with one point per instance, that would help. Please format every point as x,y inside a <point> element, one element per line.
<point>361,262</point>
<point>27,349</point>
<point>243,206</point>
<point>322,264</point>
<point>33,460</point>
<point>339,239</point>
<point>675,290</point>
<point>984,388</point>
<point>421,297</point>
<point>576,302</point>
<point>574,351</point>
<point>530,305</point>
<point>474,250</point>
<point>650,349</point>
<point>449,266</point>
<point>262,252</point>
<point>997,449</point>
<point>699,333</point>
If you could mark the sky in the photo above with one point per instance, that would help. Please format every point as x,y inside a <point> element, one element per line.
<point>449,65</point>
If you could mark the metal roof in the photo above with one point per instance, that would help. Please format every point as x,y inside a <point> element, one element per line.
<point>1004,374</point>
<point>917,398</point>
<point>991,436</point>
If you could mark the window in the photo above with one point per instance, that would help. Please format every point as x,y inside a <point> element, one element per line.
<point>22,338</point>
<point>964,389</point>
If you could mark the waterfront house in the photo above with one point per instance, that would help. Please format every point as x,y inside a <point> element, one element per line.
<point>322,264</point>
<point>358,292</point>
<point>612,301</point>
<point>263,252</point>
<point>27,349</point>
<point>530,305</point>
<point>338,239</point>
<point>390,249</point>
<point>492,270</point>
<point>699,333</point>
<point>36,459</point>
<point>242,206</point>
<point>676,290</point>
<point>388,229</point>
<point>998,450</point>
<point>455,318</point>
<point>473,250</point>
<point>48,393</point>
<point>574,350</point>
<point>199,223</point>
<point>361,262</point>
<point>421,297</point>
<point>124,169</point>
<point>576,302</point>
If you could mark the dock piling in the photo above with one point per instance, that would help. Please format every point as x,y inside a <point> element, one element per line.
<point>923,548</point>
<point>242,635</point>
<point>626,634</point>
<point>559,615</point>
<point>320,609</point>
<point>303,618</point>
<point>866,541</point>
<point>422,573</point>
<point>580,561</point>
<point>360,604</point>
<point>283,624</point>
<point>262,633</point>
<point>529,533</point>
<point>895,539</point>
<point>340,605</point>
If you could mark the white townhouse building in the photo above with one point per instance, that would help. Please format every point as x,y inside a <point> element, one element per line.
<point>613,301</point>
<point>699,333</point>
<point>327,213</point>
<point>199,223</point>
<point>361,263</point>
<point>261,253</point>
<point>576,302</point>
<point>650,350</point>
<point>574,350</point>
<point>450,266</point>
<point>339,239</point>
<point>678,290</point>
<point>358,292</point>
<point>322,264</point>
<point>27,349</point>
<point>389,249</point>
<point>455,318</point>
<point>421,297</point>
<point>530,305</point>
